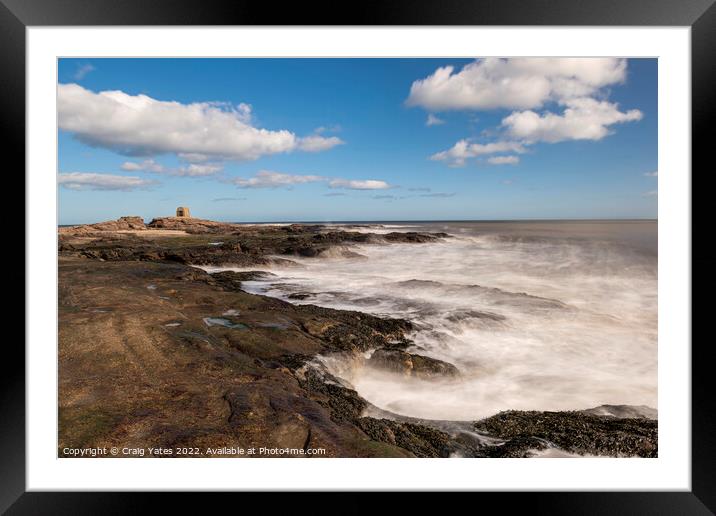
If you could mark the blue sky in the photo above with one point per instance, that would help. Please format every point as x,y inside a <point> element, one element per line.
<point>349,139</point>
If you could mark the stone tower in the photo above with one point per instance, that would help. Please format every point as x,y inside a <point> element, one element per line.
<point>183,211</point>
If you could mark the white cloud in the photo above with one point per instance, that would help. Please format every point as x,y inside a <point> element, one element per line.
<point>194,170</point>
<point>651,193</point>
<point>193,157</point>
<point>269,179</point>
<point>356,184</point>
<point>503,160</point>
<point>138,125</point>
<point>583,119</point>
<point>93,181</point>
<point>578,86</point>
<point>190,170</point>
<point>457,155</point>
<point>148,165</point>
<point>317,143</point>
<point>655,173</point>
<point>433,120</point>
<point>514,83</point>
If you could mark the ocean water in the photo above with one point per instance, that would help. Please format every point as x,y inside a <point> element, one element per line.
<point>535,315</point>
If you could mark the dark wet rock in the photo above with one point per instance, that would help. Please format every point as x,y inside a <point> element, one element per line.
<point>231,280</point>
<point>515,448</point>
<point>193,274</point>
<point>294,362</point>
<point>345,404</point>
<point>410,364</point>
<point>347,330</point>
<point>622,411</point>
<point>576,432</point>
<point>420,440</point>
<point>413,237</point>
<point>299,295</point>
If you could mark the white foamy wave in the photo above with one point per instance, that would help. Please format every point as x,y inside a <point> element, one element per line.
<point>561,320</point>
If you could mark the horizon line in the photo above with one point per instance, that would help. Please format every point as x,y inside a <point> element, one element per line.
<point>412,221</point>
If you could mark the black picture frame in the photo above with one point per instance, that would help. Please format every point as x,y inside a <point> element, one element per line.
<point>700,15</point>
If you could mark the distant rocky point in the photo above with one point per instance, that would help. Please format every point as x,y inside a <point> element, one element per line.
<point>121,224</point>
<point>191,225</point>
<point>133,223</point>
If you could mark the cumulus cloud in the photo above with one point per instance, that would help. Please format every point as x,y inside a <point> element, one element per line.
<point>583,119</point>
<point>528,87</point>
<point>655,173</point>
<point>147,165</point>
<point>94,181</point>
<point>503,160</point>
<point>194,170</point>
<point>458,154</point>
<point>317,143</point>
<point>190,170</point>
<point>139,125</point>
<point>269,179</point>
<point>194,157</point>
<point>433,120</point>
<point>358,184</point>
<point>514,83</point>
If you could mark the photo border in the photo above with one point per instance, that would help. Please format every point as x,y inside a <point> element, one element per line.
<point>17,15</point>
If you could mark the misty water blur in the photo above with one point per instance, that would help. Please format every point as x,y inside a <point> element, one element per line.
<point>535,315</point>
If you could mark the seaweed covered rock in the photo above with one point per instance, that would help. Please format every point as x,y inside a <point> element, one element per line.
<point>344,404</point>
<point>353,331</point>
<point>410,364</point>
<point>576,432</point>
<point>420,440</point>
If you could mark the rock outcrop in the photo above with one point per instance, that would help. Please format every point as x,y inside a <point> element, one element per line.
<point>130,223</point>
<point>574,432</point>
<point>410,364</point>
<point>191,225</point>
<point>214,243</point>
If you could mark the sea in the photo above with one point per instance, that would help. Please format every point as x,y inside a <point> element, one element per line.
<point>536,315</point>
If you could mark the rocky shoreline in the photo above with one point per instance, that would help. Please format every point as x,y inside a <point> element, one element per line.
<point>154,352</point>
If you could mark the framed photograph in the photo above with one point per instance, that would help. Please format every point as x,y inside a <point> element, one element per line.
<point>428,247</point>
